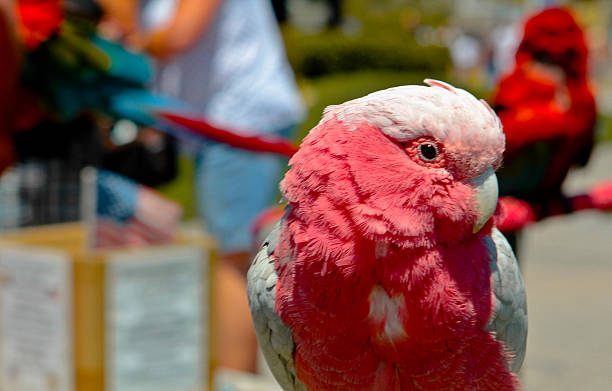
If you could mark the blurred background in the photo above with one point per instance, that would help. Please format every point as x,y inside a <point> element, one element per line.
<point>82,93</point>
<point>343,52</point>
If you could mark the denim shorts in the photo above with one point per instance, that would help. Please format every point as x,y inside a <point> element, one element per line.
<point>232,187</point>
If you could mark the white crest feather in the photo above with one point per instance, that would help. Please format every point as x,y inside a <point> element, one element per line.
<point>448,114</point>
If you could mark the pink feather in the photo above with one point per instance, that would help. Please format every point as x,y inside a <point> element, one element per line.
<point>381,279</point>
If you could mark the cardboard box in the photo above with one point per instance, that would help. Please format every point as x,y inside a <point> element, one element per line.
<point>121,320</point>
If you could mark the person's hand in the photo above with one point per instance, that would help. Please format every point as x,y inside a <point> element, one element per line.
<point>163,43</point>
<point>181,32</point>
<point>114,30</point>
<point>154,44</point>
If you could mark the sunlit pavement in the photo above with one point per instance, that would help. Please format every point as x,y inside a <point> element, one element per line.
<point>567,265</point>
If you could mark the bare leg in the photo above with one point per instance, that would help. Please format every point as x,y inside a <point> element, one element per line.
<point>236,344</point>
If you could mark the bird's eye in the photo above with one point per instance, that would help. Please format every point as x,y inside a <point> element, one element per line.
<point>428,151</point>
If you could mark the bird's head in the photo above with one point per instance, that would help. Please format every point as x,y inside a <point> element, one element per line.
<point>410,166</point>
<point>553,36</point>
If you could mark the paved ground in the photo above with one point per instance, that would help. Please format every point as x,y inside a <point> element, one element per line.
<point>568,269</point>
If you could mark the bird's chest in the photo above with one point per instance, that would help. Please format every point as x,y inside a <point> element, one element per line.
<point>361,321</point>
<point>432,315</point>
<point>411,309</point>
<point>388,316</point>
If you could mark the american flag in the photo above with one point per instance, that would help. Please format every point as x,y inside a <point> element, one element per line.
<point>125,213</point>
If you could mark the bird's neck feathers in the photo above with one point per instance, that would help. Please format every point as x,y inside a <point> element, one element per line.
<point>441,287</point>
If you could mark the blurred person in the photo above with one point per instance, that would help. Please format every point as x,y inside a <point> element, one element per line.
<point>548,112</point>
<point>226,58</point>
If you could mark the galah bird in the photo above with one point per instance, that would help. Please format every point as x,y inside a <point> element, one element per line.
<point>386,272</point>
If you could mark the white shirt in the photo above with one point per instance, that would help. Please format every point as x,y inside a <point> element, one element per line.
<point>237,74</point>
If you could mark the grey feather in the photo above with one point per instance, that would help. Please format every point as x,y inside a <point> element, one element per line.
<point>275,339</point>
<point>509,320</point>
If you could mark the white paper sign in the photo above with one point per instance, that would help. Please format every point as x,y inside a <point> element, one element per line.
<point>35,320</point>
<point>156,320</point>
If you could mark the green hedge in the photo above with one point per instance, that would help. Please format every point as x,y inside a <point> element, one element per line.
<point>331,52</point>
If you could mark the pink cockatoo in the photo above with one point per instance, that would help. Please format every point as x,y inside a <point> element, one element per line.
<point>386,272</point>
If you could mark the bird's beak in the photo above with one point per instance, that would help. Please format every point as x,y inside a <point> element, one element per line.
<point>486,196</point>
